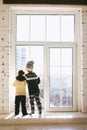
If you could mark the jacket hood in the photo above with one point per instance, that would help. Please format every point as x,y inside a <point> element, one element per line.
<point>20,78</point>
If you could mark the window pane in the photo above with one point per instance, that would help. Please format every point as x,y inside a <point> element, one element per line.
<point>21,57</point>
<point>37,55</point>
<point>66,56</point>
<point>54,86</point>
<point>54,52</point>
<point>37,28</point>
<point>67,28</point>
<point>53,28</point>
<point>66,83</point>
<point>26,53</point>
<point>61,77</point>
<point>22,28</point>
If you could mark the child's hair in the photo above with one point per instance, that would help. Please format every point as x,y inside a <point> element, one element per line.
<point>21,72</point>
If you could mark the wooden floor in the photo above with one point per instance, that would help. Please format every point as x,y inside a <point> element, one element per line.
<point>45,127</point>
<point>48,121</point>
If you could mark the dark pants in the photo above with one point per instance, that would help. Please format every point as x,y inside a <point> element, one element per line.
<point>22,100</point>
<point>37,99</point>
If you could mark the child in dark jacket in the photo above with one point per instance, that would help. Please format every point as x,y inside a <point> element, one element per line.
<point>33,80</point>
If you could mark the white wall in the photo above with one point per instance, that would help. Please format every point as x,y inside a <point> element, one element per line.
<point>4,58</point>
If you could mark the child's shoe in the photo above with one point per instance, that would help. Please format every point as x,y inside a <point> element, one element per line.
<point>31,113</point>
<point>39,116</point>
<point>40,113</point>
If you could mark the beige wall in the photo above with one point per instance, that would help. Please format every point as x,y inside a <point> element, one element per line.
<point>5,54</point>
<point>84,59</point>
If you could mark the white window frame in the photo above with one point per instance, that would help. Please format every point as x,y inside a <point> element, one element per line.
<point>46,10</point>
<point>47,103</point>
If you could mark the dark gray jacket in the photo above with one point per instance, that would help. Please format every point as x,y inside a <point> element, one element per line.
<point>32,80</point>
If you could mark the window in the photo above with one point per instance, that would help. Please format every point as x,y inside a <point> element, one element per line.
<point>51,28</point>
<point>23,54</point>
<point>61,77</point>
<point>50,40</point>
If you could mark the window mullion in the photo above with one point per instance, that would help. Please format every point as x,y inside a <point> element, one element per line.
<point>30,28</point>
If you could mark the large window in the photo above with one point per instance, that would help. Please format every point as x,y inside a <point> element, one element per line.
<point>49,40</point>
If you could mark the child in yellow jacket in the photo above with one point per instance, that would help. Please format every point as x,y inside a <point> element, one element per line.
<point>20,96</point>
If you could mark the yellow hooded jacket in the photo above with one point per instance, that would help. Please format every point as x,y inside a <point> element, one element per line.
<point>20,86</point>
